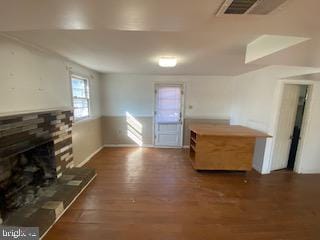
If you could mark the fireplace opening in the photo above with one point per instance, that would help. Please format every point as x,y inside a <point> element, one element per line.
<point>25,177</point>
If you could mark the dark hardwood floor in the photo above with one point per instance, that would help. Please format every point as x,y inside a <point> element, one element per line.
<point>155,194</point>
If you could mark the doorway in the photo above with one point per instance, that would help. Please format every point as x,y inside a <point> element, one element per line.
<point>168,115</point>
<point>290,126</point>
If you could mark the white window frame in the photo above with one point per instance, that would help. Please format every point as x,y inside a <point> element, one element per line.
<point>87,82</point>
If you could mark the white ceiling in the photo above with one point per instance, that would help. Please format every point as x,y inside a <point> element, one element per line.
<point>128,36</point>
<point>312,77</point>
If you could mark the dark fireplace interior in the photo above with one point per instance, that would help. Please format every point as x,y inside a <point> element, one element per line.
<point>38,180</point>
<point>25,177</point>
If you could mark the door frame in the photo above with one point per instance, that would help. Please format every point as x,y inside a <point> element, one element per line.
<point>305,122</point>
<point>174,84</point>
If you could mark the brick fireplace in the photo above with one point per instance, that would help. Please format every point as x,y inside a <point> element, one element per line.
<point>38,179</point>
<point>21,132</point>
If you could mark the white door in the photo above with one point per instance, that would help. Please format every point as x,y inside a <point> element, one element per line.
<point>288,112</point>
<point>168,118</point>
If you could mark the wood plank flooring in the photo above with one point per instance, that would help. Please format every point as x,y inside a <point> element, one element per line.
<point>155,194</point>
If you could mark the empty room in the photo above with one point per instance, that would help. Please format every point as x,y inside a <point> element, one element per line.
<point>158,119</point>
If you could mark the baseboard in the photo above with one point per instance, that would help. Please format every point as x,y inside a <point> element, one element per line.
<point>91,156</point>
<point>168,147</point>
<point>129,145</point>
<point>309,171</point>
<point>143,146</point>
<point>259,170</point>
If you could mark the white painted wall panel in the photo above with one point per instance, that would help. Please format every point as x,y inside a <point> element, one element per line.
<point>32,80</point>
<point>256,104</point>
<point>209,96</point>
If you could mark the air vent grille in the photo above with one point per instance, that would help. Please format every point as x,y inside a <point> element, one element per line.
<point>254,7</point>
<point>240,6</point>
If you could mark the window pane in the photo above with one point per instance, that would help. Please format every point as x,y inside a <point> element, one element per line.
<point>80,97</point>
<point>78,88</point>
<point>81,108</point>
<point>80,103</point>
<point>81,112</point>
<point>169,104</point>
<point>166,104</point>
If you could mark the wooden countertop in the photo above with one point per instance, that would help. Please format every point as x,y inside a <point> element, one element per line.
<point>226,130</point>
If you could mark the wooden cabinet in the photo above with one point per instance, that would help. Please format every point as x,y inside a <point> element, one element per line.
<point>222,147</point>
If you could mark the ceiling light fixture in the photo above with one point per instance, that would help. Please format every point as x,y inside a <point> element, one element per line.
<point>167,62</point>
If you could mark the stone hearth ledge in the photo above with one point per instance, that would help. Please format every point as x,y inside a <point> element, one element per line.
<point>48,210</point>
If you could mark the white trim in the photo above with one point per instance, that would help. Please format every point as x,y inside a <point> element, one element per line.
<point>304,129</point>
<point>255,167</point>
<point>156,86</point>
<point>309,171</point>
<point>86,120</point>
<point>79,75</point>
<point>43,235</point>
<point>224,7</point>
<point>174,147</point>
<point>269,151</point>
<point>87,80</point>
<point>219,117</point>
<point>143,146</point>
<point>90,157</point>
<point>129,145</point>
<point>124,115</point>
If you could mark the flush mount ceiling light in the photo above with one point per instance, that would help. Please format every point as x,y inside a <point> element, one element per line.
<point>167,62</point>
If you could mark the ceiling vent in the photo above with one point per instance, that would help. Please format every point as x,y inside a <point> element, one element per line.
<point>257,7</point>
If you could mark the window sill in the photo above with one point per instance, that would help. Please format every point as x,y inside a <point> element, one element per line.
<point>83,120</point>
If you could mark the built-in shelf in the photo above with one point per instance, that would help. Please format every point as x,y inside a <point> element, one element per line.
<point>193,143</point>
<point>193,135</point>
<point>192,154</point>
<point>193,147</point>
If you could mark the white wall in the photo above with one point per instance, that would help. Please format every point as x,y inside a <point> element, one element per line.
<point>250,100</point>
<point>33,80</point>
<point>257,98</point>
<point>209,96</point>
<point>255,107</point>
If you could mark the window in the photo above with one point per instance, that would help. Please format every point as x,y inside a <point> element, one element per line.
<point>168,104</point>
<point>80,95</point>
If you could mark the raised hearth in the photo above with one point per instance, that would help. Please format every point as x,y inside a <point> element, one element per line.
<point>51,205</point>
<point>38,180</point>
